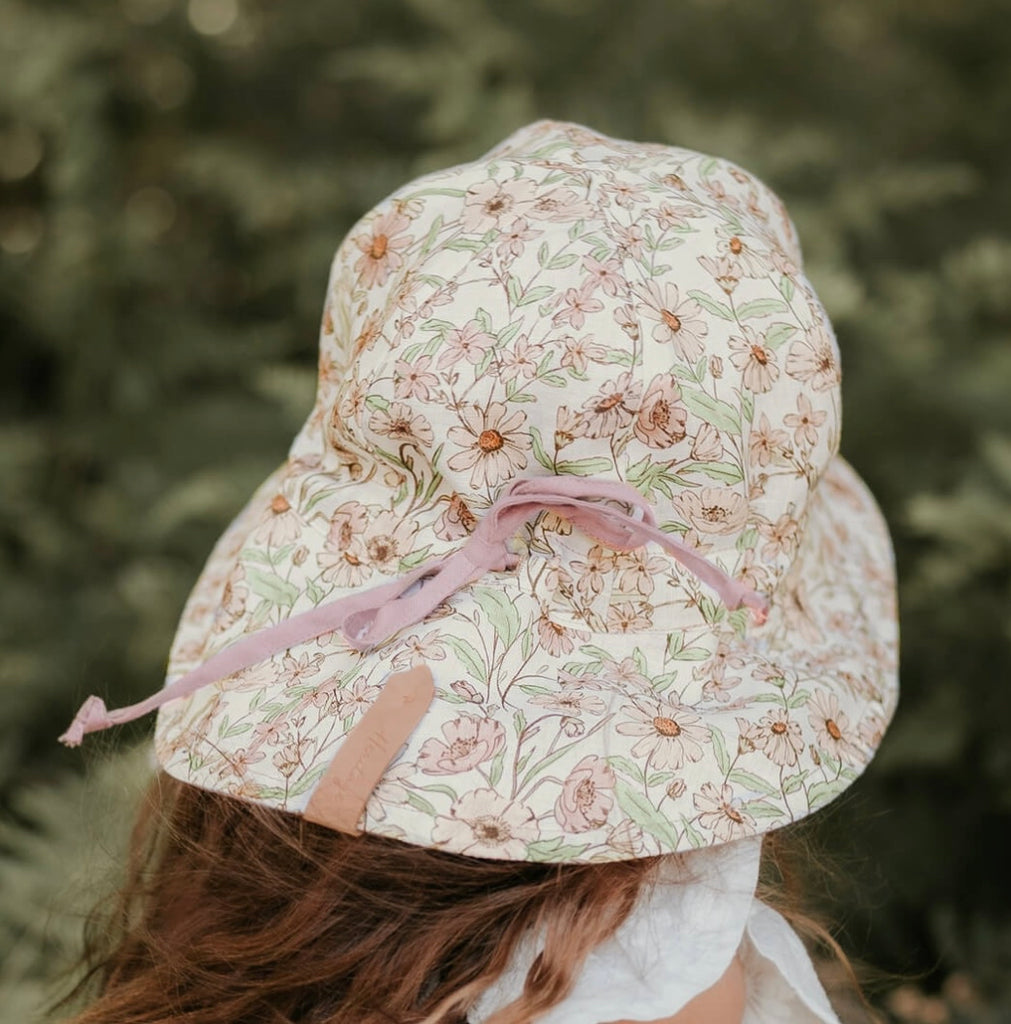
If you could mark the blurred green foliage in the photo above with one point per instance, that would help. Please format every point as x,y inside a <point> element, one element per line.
<point>176,177</point>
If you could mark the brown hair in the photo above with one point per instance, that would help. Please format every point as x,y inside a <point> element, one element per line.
<point>235,912</point>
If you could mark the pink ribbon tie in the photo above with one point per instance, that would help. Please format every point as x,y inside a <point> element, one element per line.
<point>374,615</point>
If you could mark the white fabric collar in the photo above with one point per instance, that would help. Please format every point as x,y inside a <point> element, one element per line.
<point>677,942</point>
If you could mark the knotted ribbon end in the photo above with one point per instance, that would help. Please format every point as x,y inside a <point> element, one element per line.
<point>92,717</point>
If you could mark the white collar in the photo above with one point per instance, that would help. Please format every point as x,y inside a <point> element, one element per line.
<point>677,942</point>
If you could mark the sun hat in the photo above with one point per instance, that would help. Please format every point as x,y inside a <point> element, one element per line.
<point>564,564</point>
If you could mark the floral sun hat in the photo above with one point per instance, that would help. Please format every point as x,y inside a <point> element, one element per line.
<point>564,564</point>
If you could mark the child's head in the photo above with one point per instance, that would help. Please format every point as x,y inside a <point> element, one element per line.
<point>235,912</point>
<point>563,569</point>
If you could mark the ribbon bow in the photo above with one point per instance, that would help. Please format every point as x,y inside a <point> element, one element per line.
<point>374,615</point>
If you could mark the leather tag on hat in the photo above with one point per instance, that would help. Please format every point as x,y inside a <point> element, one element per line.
<point>340,797</point>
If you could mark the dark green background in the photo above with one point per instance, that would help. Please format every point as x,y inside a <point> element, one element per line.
<point>176,177</point>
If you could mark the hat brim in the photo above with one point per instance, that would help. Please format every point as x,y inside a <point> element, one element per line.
<point>546,741</point>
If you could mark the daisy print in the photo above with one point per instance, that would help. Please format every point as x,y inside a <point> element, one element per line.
<point>835,735</point>
<point>723,814</point>
<point>493,442</point>
<point>671,734</point>
<point>381,249</point>
<point>677,322</point>
<point>755,360</point>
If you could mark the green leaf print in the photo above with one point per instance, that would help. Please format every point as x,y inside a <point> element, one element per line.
<point>272,587</point>
<point>761,307</point>
<point>722,415</point>
<point>640,809</point>
<point>720,309</point>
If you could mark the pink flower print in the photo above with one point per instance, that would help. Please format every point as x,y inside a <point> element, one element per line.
<point>389,538</point>
<point>355,698</point>
<point>607,275</point>
<point>511,242</point>
<point>520,360</point>
<point>669,215</point>
<point>437,297</point>
<point>403,294</point>
<point>598,564</point>
<point>833,727</point>
<point>469,342</point>
<point>718,687</point>
<point>805,422</point>
<point>766,444</point>
<point>624,317</point>
<point>417,650</point>
<point>555,638</point>
<point>724,271</point>
<point>413,380</point>
<point>722,813</point>
<point>403,328</point>
<point>233,601</point>
<point>484,824</point>
<point>296,671</point>
<point>718,190</point>
<point>575,304</point>
<point>580,352</point>
<point>629,617</point>
<point>343,558</point>
<point>370,333</point>
<point>628,240</point>
<point>707,445</point>
<point>587,796</point>
<point>724,657</point>
<point>662,417</point>
<point>238,762</point>
<point>637,570</point>
<point>755,359</point>
<point>624,195</point>
<point>401,424</point>
<point>280,524</point>
<point>493,444</point>
<point>456,521</point>
<point>779,738</point>
<point>671,734</point>
<point>712,509</point>
<point>626,673</point>
<point>782,262</point>
<point>274,734</point>
<point>469,741</point>
<point>464,690</point>
<point>814,360</point>
<point>491,203</point>
<point>612,407</point>
<point>381,248</point>
<point>560,204</point>
<point>678,321</point>
<point>289,759</point>
<point>781,536</point>
<point>570,701</point>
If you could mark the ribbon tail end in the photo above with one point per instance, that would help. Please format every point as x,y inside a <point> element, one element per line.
<point>92,717</point>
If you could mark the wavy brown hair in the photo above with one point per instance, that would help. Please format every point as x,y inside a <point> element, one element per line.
<point>234,912</point>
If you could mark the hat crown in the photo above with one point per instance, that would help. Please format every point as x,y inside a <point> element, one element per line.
<point>566,305</point>
<point>570,303</point>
